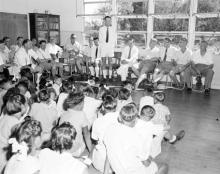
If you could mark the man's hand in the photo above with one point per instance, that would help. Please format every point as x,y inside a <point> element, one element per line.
<point>147,162</point>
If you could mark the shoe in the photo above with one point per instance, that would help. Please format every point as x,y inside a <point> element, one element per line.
<point>207,91</point>
<point>179,136</point>
<point>189,90</point>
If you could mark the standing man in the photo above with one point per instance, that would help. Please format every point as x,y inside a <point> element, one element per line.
<point>182,60</point>
<point>107,39</point>
<point>202,66</point>
<point>128,59</point>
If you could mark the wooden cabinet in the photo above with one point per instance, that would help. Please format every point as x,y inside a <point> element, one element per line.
<point>44,26</point>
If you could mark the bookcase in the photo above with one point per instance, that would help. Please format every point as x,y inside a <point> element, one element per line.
<point>45,26</point>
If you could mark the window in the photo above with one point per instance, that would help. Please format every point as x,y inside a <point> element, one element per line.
<point>139,39</point>
<point>132,24</point>
<point>171,24</point>
<point>207,6</point>
<point>208,24</point>
<point>99,8</point>
<point>172,6</point>
<point>93,23</point>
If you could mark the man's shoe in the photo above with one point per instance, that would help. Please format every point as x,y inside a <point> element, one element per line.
<point>207,91</point>
<point>189,90</point>
<point>179,136</point>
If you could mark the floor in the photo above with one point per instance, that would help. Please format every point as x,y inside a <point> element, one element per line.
<point>198,115</point>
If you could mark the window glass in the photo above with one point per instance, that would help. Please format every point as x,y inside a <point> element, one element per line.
<point>139,39</point>
<point>93,23</point>
<point>208,24</point>
<point>171,24</point>
<point>206,6</point>
<point>98,8</point>
<point>132,24</point>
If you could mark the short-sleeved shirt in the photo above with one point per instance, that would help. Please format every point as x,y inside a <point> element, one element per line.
<point>206,59</point>
<point>58,163</point>
<point>161,112</point>
<point>170,53</point>
<point>53,49</point>
<point>79,121</point>
<point>183,58</point>
<point>22,57</point>
<point>43,54</point>
<point>152,53</point>
<point>45,114</point>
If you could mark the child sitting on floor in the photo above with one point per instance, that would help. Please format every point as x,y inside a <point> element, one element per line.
<point>124,97</point>
<point>25,142</point>
<point>57,159</point>
<point>57,84</point>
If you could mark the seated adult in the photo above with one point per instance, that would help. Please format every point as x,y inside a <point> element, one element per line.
<point>45,60</point>
<point>19,42</point>
<point>149,62</point>
<point>167,56</point>
<point>202,65</point>
<point>54,50</point>
<point>75,50</point>
<point>128,59</point>
<point>182,61</point>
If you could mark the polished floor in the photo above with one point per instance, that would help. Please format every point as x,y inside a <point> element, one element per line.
<point>198,115</point>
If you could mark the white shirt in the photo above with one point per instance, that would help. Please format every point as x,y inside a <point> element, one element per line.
<point>60,101</point>
<point>53,49</point>
<point>183,58</point>
<point>207,59</point>
<point>43,54</point>
<point>170,53</point>
<point>33,54</point>
<point>93,53</point>
<point>22,57</point>
<point>88,50</point>
<point>161,112</point>
<point>76,46</point>
<point>125,151</point>
<point>152,53</point>
<point>134,54</point>
<point>112,35</point>
<point>90,108</point>
<point>28,166</point>
<point>58,163</point>
<point>2,58</point>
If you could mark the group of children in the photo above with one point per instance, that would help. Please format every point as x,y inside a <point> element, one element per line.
<point>66,127</point>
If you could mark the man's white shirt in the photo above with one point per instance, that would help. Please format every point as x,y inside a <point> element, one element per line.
<point>93,53</point>
<point>183,58</point>
<point>134,54</point>
<point>152,53</point>
<point>206,59</point>
<point>43,54</point>
<point>53,49</point>
<point>170,53</point>
<point>102,35</point>
<point>22,57</point>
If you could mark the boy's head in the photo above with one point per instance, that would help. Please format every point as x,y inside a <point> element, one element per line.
<point>52,94</point>
<point>124,94</point>
<point>128,115</point>
<point>44,95</point>
<point>23,87</point>
<point>67,87</point>
<point>6,84</point>
<point>58,80</point>
<point>75,100</point>
<point>128,85</point>
<point>159,97</point>
<point>109,104</point>
<point>147,112</point>
<point>88,91</point>
<point>62,137</point>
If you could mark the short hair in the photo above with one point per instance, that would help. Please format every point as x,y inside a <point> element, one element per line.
<point>25,41</point>
<point>109,103</point>
<point>1,41</point>
<point>167,39</point>
<point>62,137</point>
<point>153,39</point>
<point>147,109</point>
<point>44,95</point>
<point>42,41</point>
<point>128,113</point>
<point>73,35</point>
<point>159,96</point>
<point>14,104</point>
<point>19,37</point>
<point>5,38</point>
<point>73,99</point>
<point>204,41</point>
<point>27,131</point>
<point>124,94</point>
<point>12,91</point>
<point>96,38</point>
<point>66,86</point>
<point>106,17</point>
<point>183,39</point>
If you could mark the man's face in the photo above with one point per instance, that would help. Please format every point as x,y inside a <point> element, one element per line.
<point>2,47</point>
<point>7,42</point>
<point>28,45</point>
<point>34,41</point>
<point>73,39</point>
<point>20,41</point>
<point>203,46</point>
<point>166,43</point>
<point>96,42</point>
<point>43,45</point>
<point>152,44</point>
<point>91,42</point>
<point>182,44</point>
<point>130,42</point>
<point>53,41</point>
<point>108,22</point>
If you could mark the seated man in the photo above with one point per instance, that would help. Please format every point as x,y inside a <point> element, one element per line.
<point>148,64</point>
<point>94,65</point>
<point>128,58</point>
<point>54,50</point>
<point>75,50</point>
<point>202,65</point>
<point>167,55</point>
<point>45,60</point>
<point>182,61</point>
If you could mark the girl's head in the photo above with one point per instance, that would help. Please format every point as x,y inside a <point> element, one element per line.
<point>66,87</point>
<point>52,94</point>
<point>23,87</point>
<point>62,137</point>
<point>159,97</point>
<point>109,104</point>
<point>58,80</point>
<point>124,94</point>
<point>75,100</point>
<point>16,105</point>
<point>147,112</point>
<point>10,92</point>
<point>128,115</point>
<point>26,136</point>
<point>44,96</point>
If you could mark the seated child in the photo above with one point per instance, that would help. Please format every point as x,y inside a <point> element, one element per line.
<point>44,113</point>
<point>57,159</point>
<point>57,84</point>
<point>23,87</point>
<point>74,114</point>
<point>124,97</point>
<point>66,88</point>
<point>90,105</point>
<point>162,116</point>
<point>146,100</point>
<point>13,111</point>
<point>25,142</point>
<point>98,130</point>
<point>53,98</point>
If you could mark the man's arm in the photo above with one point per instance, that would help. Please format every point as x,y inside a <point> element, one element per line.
<point>86,136</point>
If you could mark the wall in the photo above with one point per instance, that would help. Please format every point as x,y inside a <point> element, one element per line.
<point>66,9</point>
